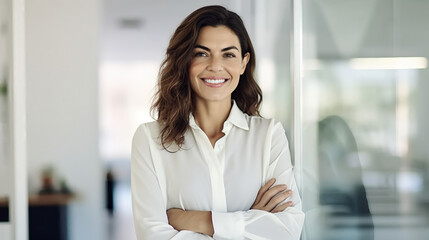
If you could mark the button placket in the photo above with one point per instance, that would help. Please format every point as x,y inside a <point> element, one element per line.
<point>215,167</point>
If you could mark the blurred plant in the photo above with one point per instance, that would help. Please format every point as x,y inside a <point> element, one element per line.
<point>3,88</point>
<point>64,187</point>
<point>48,171</point>
<point>47,180</point>
<point>3,82</point>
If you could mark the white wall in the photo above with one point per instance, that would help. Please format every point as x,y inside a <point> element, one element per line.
<point>5,233</point>
<point>62,75</point>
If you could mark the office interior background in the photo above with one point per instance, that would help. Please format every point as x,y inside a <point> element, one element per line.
<point>91,70</point>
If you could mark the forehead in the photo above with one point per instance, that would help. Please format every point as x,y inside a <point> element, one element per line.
<point>218,37</point>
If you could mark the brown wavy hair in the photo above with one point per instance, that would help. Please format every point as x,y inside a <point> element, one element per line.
<point>174,101</point>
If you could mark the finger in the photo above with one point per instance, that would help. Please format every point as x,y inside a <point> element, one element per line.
<point>282,207</point>
<point>263,189</point>
<point>277,199</point>
<point>271,193</point>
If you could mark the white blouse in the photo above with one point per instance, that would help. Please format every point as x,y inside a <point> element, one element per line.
<point>223,179</point>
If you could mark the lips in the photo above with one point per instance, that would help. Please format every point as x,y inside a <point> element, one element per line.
<point>214,81</point>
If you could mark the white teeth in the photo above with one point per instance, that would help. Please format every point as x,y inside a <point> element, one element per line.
<point>214,81</point>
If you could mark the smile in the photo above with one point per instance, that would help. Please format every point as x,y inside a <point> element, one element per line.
<point>214,81</point>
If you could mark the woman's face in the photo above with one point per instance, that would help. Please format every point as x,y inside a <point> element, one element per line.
<point>217,64</point>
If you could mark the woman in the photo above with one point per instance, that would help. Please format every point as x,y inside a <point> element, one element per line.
<point>210,166</point>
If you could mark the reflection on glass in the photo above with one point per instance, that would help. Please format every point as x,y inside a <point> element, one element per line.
<point>340,178</point>
<point>365,86</point>
<point>4,116</point>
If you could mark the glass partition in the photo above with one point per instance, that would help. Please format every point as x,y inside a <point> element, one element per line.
<point>5,162</point>
<point>366,156</point>
<point>5,166</point>
<point>272,47</point>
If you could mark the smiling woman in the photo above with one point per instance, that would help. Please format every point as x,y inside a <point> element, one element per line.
<point>210,166</point>
<point>217,65</point>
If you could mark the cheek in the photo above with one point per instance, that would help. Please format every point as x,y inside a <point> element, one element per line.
<point>194,69</point>
<point>237,69</point>
<point>193,79</point>
<point>191,69</point>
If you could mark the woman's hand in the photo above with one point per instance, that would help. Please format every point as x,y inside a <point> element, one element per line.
<point>269,198</point>
<point>196,221</point>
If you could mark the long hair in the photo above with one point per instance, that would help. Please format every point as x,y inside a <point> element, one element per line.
<point>173,102</point>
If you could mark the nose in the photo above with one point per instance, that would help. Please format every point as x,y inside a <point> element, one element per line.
<point>215,64</point>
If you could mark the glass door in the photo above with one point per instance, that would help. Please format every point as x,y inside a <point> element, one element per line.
<point>365,120</point>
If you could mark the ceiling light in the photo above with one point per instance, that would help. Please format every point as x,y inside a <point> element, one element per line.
<point>388,63</point>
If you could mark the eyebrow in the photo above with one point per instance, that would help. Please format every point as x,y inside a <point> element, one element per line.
<point>223,50</point>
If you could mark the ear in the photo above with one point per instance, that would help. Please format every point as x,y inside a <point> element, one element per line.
<point>244,62</point>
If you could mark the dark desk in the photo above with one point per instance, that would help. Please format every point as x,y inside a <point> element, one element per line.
<point>47,216</point>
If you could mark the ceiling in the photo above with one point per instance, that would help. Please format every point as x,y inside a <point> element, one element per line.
<point>139,30</point>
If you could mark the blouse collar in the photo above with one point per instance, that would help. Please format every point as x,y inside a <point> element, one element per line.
<point>236,117</point>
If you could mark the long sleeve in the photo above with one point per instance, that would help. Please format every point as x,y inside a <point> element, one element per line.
<point>257,224</point>
<point>149,204</point>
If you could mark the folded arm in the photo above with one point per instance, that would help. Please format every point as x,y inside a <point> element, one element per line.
<point>276,212</point>
<point>231,225</point>
<point>149,207</point>
<point>270,217</point>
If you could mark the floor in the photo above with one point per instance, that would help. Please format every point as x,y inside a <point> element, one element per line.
<point>120,225</point>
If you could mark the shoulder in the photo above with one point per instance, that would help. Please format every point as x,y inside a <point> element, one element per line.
<point>146,131</point>
<point>268,128</point>
<point>153,127</point>
<point>148,135</point>
<point>267,124</point>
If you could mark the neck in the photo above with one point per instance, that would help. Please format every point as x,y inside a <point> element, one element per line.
<point>210,117</point>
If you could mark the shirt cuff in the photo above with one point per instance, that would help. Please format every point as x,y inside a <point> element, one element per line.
<point>228,225</point>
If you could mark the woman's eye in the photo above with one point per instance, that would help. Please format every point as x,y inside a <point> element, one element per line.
<point>229,55</point>
<point>200,54</point>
